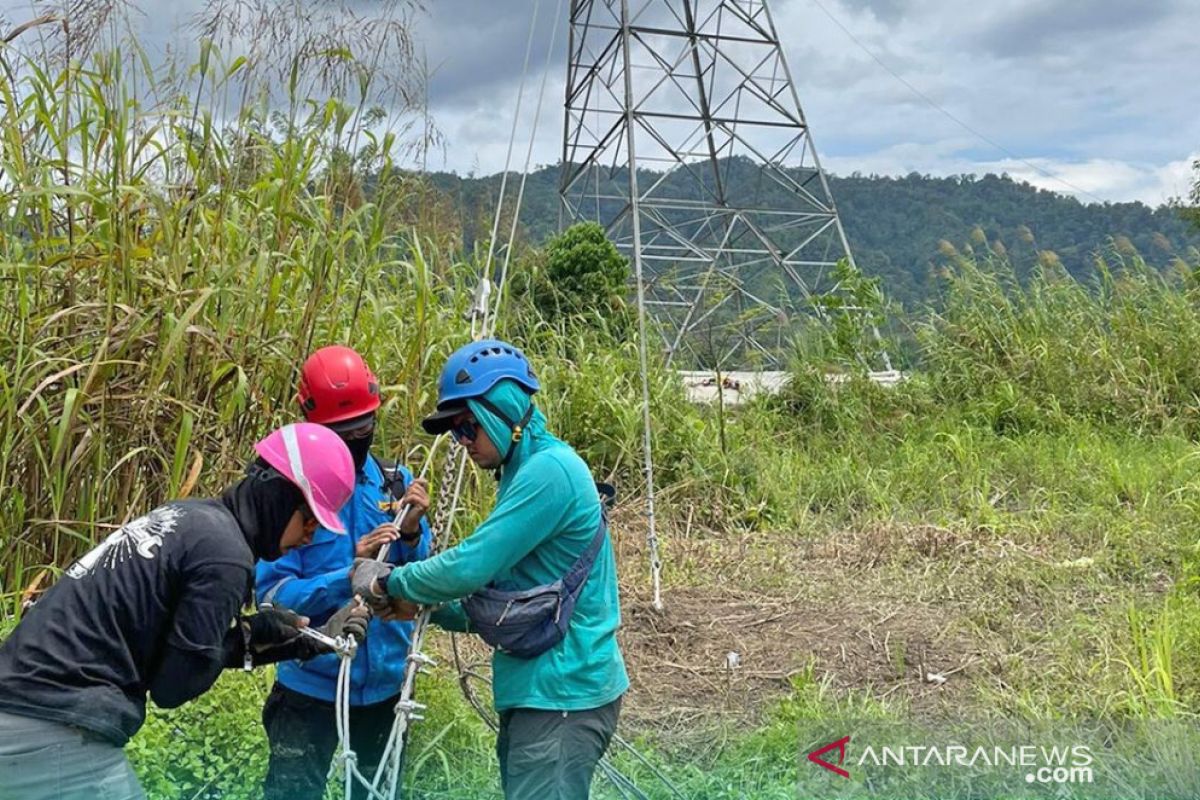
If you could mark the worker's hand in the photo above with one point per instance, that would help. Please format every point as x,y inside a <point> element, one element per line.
<point>368,580</point>
<point>399,611</point>
<point>368,546</point>
<point>273,626</point>
<point>416,497</point>
<point>349,620</point>
<point>274,635</point>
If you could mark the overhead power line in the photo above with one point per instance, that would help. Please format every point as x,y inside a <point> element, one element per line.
<point>950,115</point>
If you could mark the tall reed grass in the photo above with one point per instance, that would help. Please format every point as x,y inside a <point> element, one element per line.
<point>1120,350</point>
<point>174,241</point>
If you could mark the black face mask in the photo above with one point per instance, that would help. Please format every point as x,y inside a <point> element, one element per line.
<point>359,449</point>
<point>263,503</point>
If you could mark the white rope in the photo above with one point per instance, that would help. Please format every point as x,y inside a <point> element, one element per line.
<point>512,139</point>
<point>387,774</point>
<point>386,781</point>
<point>489,324</point>
<point>636,220</point>
<point>346,757</point>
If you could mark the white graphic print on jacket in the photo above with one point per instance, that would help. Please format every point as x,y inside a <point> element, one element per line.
<point>142,536</point>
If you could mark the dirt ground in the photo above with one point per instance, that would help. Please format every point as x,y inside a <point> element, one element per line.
<point>744,617</point>
<point>925,619</point>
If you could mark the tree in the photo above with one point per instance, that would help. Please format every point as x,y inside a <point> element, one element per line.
<point>1191,212</point>
<point>583,276</point>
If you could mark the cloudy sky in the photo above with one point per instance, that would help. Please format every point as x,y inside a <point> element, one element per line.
<point>1103,94</point>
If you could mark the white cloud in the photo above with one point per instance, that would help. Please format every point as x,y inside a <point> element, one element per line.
<point>1101,93</point>
<point>1090,180</point>
<point>1109,179</point>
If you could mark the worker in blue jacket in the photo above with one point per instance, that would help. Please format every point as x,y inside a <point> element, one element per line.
<point>338,390</point>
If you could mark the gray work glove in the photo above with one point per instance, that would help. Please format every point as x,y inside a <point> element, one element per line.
<point>368,580</point>
<point>349,620</point>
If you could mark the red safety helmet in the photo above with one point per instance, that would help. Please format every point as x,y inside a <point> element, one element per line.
<point>336,385</point>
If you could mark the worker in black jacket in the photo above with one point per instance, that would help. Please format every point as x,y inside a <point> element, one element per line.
<point>154,610</point>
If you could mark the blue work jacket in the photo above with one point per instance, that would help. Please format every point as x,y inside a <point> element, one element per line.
<point>314,580</point>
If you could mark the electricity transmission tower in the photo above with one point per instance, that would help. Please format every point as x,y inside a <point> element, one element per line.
<point>684,138</point>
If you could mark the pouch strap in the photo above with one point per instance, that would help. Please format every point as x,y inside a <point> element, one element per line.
<point>578,573</point>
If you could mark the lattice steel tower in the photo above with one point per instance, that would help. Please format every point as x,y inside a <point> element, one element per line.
<point>684,137</point>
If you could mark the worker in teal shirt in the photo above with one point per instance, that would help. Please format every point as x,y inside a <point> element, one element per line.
<point>558,710</point>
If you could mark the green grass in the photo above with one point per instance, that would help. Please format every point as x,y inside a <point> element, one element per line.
<point>163,273</point>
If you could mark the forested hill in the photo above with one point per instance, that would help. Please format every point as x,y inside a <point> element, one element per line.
<point>897,227</point>
<point>900,228</point>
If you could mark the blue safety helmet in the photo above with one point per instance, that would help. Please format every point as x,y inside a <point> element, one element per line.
<point>470,372</point>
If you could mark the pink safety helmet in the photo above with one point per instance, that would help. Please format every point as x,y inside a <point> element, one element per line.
<point>315,459</point>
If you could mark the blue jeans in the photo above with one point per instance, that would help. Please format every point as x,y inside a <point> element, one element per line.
<point>42,760</point>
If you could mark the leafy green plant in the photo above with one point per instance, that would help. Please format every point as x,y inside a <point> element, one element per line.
<point>581,275</point>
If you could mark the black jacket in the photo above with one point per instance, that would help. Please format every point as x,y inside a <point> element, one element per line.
<point>147,611</point>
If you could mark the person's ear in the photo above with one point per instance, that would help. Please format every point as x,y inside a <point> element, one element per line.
<point>310,525</point>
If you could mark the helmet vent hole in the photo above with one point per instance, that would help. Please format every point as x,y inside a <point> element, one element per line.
<point>462,377</point>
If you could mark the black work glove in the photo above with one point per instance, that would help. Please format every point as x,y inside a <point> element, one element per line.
<point>301,648</point>
<point>349,620</point>
<point>271,635</point>
<point>272,627</point>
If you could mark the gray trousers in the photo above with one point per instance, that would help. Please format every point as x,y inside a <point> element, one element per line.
<point>42,760</point>
<point>551,755</point>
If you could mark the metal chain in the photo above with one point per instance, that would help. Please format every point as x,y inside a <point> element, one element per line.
<point>441,518</point>
<point>387,775</point>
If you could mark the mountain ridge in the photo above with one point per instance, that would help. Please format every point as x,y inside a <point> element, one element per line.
<point>904,229</point>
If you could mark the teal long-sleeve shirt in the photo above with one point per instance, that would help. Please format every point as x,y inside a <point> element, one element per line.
<point>545,515</point>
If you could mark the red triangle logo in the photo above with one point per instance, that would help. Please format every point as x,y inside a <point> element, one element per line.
<point>840,746</point>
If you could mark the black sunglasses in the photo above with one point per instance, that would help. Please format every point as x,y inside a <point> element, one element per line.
<point>467,429</point>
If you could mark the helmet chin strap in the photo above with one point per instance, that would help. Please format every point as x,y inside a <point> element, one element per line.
<point>517,428</point>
